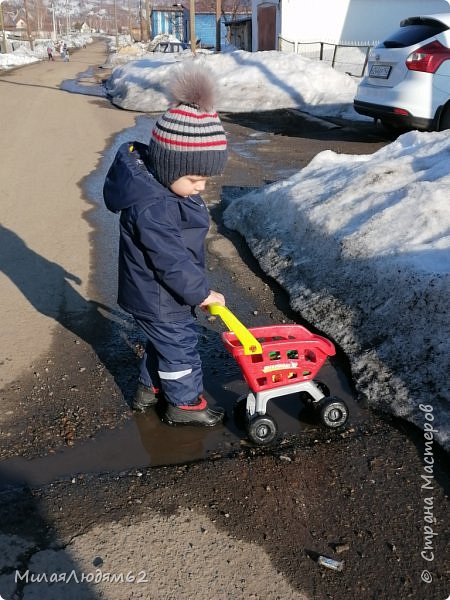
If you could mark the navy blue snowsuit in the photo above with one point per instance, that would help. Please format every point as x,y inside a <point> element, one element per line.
<point>161,270</point>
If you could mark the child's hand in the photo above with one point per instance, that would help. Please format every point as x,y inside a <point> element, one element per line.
<point>213,298</point>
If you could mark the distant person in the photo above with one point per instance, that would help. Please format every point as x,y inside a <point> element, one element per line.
<point>163,226</point>
<point>66,55</point>
<point>50,53</point>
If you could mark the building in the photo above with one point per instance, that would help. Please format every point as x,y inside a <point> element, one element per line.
<point>175,20</point>
<point>332,21</point>
<point>206,19</point>
<point>168,20</point>
<point>239,33</point>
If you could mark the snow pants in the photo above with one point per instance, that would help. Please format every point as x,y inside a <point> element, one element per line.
<point>171,361</point>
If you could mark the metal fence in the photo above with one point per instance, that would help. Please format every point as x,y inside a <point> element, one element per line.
<point>350,58</point>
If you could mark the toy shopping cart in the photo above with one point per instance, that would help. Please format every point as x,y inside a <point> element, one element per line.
<point>276,361</point>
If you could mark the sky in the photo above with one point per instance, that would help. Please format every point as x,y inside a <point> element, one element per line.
<point>359,242</point>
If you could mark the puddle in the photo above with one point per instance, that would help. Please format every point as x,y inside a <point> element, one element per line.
<point>144,441</point>
<point>87,83</point>
<point>245,149</point>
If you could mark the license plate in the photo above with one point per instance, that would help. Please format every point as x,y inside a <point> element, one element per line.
<point>380,71</point>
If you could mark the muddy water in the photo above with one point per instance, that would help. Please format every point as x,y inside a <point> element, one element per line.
<point>144,440</point>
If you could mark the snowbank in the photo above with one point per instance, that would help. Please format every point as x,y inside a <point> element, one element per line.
<point>361,243</point>
<point>247,82</point>
<point>24,55</point>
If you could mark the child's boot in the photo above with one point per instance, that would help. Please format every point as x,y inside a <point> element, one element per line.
<point>194,414</point>
<point>145,397</point>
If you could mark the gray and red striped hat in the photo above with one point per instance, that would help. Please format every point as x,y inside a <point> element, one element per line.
<point>188,139</point>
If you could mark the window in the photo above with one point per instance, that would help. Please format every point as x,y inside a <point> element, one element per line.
<point>413,31</point>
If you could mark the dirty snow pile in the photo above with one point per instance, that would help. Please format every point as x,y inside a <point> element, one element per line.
<point>361,243</point>
<point>20,56</point>
<point>124,54</point>
<point>247,82</point>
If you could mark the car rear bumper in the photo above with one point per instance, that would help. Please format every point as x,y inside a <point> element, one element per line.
<point>386,113</point>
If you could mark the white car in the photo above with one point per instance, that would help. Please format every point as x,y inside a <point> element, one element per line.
<point>407,85</point>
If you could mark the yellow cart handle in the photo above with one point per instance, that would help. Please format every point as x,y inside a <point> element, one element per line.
<point>247,339</point>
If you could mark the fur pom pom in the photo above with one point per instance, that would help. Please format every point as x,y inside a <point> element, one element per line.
<point>192,83</point>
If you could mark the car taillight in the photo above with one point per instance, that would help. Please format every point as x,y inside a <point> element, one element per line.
<point>428,58</point>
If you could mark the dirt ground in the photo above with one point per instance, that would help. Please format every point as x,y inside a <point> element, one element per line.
<point>242,522</point>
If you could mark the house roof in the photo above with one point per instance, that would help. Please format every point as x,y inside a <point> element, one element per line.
<point>13,16</point>
<point>238,20</point>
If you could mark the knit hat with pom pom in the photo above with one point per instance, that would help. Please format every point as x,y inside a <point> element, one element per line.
<point>189,138</point>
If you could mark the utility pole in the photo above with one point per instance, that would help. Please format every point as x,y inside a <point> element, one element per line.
<point>25,5</point>
<point>53,23</point>
<point>218,30</point>
<point>2,23</point>
<point>141,25</point>
<point>115,25</point>
<point>148,15</point>
<point>67,17</point>
<point>192,26</point>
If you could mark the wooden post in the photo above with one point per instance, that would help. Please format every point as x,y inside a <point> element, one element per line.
<point>30,39</point>
<point>2,25</point>
<point>147,20</point>
<point>218,30</point>
<point>192,25</point>
<point>116,26</point>
<point>141,24</point>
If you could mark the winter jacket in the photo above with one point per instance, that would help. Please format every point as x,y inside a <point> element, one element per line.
<point>161,250</point>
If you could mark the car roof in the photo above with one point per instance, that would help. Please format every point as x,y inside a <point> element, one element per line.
<point>443,17</point>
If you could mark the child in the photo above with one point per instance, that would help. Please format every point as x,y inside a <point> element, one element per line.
<point>163,225</point>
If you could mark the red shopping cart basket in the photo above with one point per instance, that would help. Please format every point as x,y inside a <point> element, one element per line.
<point>290,354</point>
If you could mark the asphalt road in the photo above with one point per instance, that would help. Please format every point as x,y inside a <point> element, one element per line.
<point>117,506</point>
